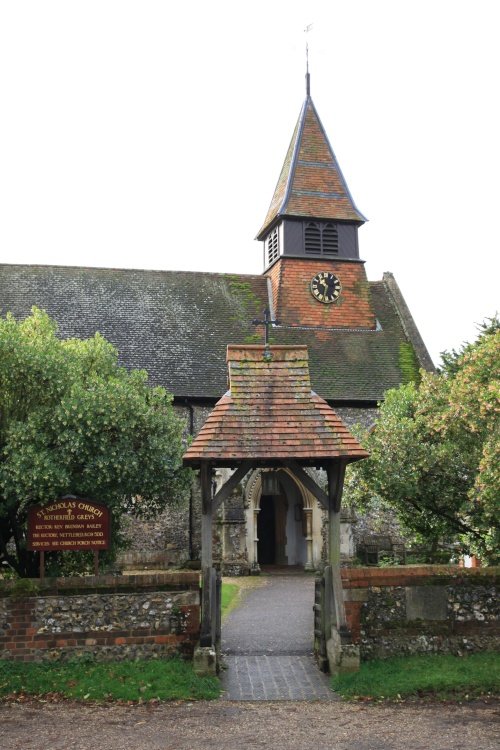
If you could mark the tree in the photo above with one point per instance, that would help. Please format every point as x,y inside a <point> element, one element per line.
<point>435,451</point>
<point>73,422</point>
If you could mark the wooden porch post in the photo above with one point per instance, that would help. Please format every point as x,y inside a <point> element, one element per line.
<point>207,596</point>
<point>336,473</point>
<point>206,515</point>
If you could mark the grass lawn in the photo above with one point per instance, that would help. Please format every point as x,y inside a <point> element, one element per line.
<point>229,597</point>
<point>170,679</point>
<point>439,676</point>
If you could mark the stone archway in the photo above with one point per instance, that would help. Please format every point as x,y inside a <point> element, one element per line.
<point>300,500</point>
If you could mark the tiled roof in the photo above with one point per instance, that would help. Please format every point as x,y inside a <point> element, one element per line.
<point>311,183</point>
<point>353,365</point>
<point>176,325</point>
<point>271,413</point>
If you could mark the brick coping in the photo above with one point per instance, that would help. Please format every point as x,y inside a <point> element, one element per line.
<point>172,580</point>
<point>407,575</point>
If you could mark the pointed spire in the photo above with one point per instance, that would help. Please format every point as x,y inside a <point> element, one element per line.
<point>311,183</point>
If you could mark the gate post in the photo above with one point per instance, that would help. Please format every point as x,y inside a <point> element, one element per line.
<point>205,656</point>
<point>218,617</point>
<point>343,655</point>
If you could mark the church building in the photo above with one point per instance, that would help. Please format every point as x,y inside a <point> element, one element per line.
<point>313,290</point>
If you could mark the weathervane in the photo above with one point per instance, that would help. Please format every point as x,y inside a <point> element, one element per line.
<point>307,29</point>
<point>267,322</point>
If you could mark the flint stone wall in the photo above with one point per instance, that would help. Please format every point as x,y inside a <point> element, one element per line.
<point>407,610</point>
<point>104,617</point>
<point>157,543</point>
<point>174,536</point>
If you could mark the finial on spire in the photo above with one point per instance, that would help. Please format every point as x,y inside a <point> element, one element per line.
<point>307,29</point>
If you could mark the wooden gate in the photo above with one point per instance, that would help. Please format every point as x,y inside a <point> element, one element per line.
<point>323,607</point>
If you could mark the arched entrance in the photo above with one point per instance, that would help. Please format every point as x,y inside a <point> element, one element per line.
<point>283,528</point>
<point>281,532</point>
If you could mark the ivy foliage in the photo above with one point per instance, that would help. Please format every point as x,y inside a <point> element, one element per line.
<point>72,421</point>
<point>408,364</point>
<point>435,451</point>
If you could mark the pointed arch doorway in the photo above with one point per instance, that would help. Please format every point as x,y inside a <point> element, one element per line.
<point>283,528</point>
<point>280,532</point>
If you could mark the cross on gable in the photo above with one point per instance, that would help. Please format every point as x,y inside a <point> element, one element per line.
<point>267,322</point>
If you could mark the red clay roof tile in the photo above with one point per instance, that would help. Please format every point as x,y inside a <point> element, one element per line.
<point>270,413</point>
<point>311,183</point>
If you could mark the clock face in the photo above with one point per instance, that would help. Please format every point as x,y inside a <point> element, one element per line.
<point>326,287</point>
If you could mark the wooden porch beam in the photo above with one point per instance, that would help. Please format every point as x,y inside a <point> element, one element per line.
<point>233,481</point>
<point>308,482</point>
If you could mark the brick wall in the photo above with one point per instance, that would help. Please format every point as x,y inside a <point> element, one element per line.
<point>105,617</point>
<point>422,609</point>
<point>295,305</point>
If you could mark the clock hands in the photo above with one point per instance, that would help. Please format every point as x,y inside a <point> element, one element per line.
<point>329,285</point>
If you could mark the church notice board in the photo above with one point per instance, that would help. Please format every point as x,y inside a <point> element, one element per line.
<point>68,524</point>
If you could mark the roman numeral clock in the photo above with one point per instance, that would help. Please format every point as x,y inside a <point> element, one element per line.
<point>326,287</point>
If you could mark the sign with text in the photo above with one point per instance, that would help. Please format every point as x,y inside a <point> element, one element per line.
<point>68,524</point>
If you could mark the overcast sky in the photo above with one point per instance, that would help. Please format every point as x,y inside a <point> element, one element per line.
<point>151,134</point>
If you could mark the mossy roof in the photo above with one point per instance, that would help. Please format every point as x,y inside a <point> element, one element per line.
<point>311,183</point>
<point>271,413</point>
<point>177,325</point>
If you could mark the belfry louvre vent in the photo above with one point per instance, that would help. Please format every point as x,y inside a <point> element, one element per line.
<point>330,240</point>
<point>321,239</point>
<point>273,246</point>
<point>312,238</point>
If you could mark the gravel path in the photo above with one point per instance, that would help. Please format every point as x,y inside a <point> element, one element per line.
<point>233,726</point>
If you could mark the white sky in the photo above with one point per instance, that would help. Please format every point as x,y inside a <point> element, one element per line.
<point>147,134</point>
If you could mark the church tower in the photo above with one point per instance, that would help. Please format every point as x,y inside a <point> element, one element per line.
<point>310,236</point>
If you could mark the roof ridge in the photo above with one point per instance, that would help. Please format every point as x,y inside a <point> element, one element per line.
<point>224,274</point>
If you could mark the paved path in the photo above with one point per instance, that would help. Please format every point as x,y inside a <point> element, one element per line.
<point>267,644</point>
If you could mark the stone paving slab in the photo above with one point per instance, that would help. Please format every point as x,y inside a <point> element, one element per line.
<point>263,677</point>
